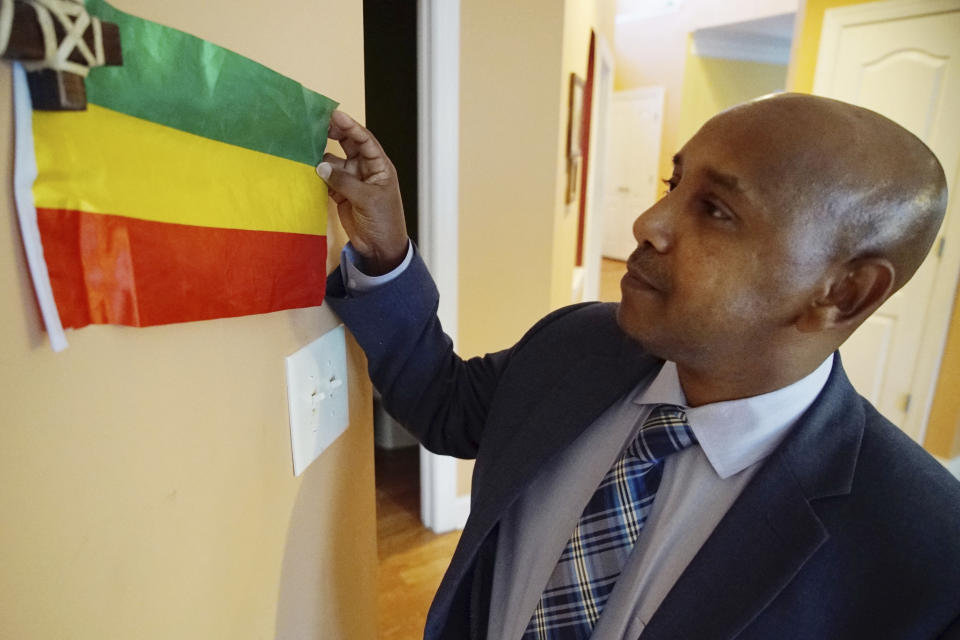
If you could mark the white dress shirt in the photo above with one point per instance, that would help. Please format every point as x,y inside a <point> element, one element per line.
<point>357,281</point>
<point>699,485</point>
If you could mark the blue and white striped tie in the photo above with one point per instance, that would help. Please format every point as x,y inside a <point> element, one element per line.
<point>607,531</point>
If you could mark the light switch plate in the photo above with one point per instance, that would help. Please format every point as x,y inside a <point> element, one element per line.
<point>317,396</point>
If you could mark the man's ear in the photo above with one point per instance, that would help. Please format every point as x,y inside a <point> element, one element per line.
<point>857,290</point>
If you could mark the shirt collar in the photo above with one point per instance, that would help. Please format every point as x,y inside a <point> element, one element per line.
<point>738,433</point>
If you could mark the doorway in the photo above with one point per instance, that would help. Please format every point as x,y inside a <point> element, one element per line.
<point>391,91</point>
<point>402,83</point>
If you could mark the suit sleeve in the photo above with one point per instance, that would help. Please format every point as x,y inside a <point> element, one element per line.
<point>440,398</point>
<point>425,386</point>
<point>952,632</point>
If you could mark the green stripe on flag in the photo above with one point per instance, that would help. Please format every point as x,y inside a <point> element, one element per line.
<point>181,81</point>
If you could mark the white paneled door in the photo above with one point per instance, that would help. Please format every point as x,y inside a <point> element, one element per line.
<point>636,124</point>
<point>902,59</point>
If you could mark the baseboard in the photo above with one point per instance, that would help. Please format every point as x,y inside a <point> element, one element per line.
<point>452,519</point>
<point>461,511</point>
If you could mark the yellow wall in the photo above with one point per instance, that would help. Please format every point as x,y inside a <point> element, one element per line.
<point>711,85</point>
<point>146,487</point>
<point>509,114</point>
<point>509,117</point>
<point>943,427</point>
<point>464,477</point>
<point>517,235</point>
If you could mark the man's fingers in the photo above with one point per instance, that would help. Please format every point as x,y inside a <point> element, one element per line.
<point>362,148</point>
<point>334,160</point>
<point>345,184</point>
<point>380,177</point>
<point>364,185</point>
<point>353,137</point>
<point>336,197</point>
<point>375,171</point>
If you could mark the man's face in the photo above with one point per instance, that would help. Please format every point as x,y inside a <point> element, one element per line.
<point>724,263</point>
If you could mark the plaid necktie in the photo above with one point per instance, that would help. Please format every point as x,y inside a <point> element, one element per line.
<point>607,531</point>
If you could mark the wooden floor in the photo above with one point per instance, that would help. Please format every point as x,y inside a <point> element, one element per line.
<point>412,558</point>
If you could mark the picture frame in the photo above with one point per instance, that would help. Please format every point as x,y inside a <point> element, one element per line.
<point>573,178</point>
<point>574,136</point>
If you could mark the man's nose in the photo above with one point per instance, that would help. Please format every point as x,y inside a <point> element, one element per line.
<point>653,227</point>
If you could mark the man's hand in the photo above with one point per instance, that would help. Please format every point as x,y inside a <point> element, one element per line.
<point>364,186</point>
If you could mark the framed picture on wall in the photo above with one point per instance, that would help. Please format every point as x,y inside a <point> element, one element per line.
<point>574,135</point>
<point>573,178</point>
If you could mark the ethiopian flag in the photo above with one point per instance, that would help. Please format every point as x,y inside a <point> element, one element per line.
<point>186,191</point>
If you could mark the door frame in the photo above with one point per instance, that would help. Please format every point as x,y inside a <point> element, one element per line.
<point>947,272</point>
<point>603,67</point>
<point>438,137</point>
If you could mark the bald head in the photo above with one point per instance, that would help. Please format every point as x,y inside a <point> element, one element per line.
<point>788,222</point>
<point>869,187</point>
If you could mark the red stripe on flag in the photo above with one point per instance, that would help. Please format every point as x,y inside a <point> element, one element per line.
<point>107,269</point>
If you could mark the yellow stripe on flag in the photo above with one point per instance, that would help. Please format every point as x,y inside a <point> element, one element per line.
<point>103,161</point>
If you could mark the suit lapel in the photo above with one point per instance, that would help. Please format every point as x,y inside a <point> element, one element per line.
<point>762,542</point>
<point>568,408</point>
<point>772,529</point>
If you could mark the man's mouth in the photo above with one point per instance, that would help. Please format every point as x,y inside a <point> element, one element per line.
<point>644,273</point>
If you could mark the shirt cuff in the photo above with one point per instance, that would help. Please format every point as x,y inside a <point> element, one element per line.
<point>357,281</point>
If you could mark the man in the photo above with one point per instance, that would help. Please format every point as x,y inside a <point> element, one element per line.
<point>785,505</point>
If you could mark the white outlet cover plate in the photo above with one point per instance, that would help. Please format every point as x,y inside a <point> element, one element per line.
<point>317,396</point>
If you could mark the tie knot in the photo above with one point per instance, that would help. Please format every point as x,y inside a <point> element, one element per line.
<point>665,431</point>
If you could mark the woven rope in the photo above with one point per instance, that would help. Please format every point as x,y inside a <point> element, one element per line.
<point>74,19</point>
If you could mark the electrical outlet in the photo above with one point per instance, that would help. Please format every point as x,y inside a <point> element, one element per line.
<point>317,396</point>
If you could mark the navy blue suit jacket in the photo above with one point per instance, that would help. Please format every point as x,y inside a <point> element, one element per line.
<point>849,529</point>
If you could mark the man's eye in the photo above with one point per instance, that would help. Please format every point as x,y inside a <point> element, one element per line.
<point>716,212</point>
<point>671,184</point>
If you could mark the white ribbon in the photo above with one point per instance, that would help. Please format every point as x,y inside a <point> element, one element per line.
<point>74,19</point>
